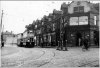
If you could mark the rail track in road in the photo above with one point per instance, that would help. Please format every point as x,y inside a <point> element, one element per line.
<point>42,60</point>
<point>19,59</point>
<point>43,57</point>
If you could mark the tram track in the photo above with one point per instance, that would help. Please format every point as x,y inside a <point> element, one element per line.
<point>30,60</point>
<point>15,60</point>
<point>48,61</point>
<point>40,61</point>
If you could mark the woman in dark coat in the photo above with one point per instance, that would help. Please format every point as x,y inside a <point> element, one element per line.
<point>85,43</point>
<point>2,44</point>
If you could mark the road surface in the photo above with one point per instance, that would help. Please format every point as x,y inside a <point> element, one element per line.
<point>49,57</point>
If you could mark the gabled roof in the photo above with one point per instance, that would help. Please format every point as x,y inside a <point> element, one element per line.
<point>92,6</point>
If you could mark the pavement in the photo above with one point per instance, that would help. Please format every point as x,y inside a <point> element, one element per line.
<point>49,57</point>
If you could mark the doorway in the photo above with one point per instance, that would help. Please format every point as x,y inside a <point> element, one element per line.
<point>78,39</point>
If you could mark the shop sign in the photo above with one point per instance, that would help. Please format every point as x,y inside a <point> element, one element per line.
<point>74,21</point>
<point>83,20</point>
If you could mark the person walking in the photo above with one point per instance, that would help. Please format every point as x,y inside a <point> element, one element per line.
<point>2,44</point>
<point>85,43</point>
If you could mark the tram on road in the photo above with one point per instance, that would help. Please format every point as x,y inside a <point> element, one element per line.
<point>26,42</point>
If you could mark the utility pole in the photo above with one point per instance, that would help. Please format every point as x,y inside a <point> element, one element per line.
<point>1,20</point>
<point>1,29</point>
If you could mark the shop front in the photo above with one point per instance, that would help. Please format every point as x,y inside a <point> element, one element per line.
<point>75,34</point>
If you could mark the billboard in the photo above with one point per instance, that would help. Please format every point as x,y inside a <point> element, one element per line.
<point>74,21</point>
<point>83,20</point>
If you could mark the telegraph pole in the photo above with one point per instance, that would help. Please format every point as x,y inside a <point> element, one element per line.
<point>1,29</point>
<point>1,20</point>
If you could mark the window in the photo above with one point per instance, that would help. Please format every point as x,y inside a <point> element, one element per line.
<point>79,9</point>
<point>42,23</point>
<point>75,9</point>
<point>53,27</point>
<point>94,20</point>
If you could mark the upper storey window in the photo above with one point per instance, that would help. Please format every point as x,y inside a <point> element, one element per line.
<point>75,9</point>
<point>79,9</point>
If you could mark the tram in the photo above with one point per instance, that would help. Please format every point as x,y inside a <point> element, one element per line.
<point>26,42</point>
<point>47,40</point>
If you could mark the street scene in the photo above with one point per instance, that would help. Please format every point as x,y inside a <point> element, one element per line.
<point>49,57</point>
<point>49,34</point>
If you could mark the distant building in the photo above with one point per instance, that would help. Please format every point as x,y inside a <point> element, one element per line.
<point>9,38</point>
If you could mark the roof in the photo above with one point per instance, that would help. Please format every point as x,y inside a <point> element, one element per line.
<point>64,5</point>
<point>8,33</point>
<point>57,11</point>
<point>92,8</point>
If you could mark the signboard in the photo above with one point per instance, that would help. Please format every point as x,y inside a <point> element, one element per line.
<point>83,20</point>
<point>74,21</point>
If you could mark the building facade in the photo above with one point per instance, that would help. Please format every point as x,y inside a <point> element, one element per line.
<point>75,20</point>
<point>82,21</point>
<point>9,38</point>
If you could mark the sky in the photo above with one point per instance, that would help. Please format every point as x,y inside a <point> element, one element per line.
<point>18,14</point>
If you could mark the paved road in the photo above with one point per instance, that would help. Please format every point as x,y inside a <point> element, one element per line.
<point>50,57</point>
<point>75,57</point>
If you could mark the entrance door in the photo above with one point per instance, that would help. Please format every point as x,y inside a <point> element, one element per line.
<point>78,39</point>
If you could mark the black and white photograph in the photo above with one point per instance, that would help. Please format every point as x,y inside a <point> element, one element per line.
<point>49,34</point>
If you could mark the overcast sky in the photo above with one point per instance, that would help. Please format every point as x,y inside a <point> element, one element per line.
<point>17,14</point>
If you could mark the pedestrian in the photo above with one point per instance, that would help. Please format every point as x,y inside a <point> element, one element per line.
<point>85,43</point>
<point>41,42</point>
<point>2,44</point>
